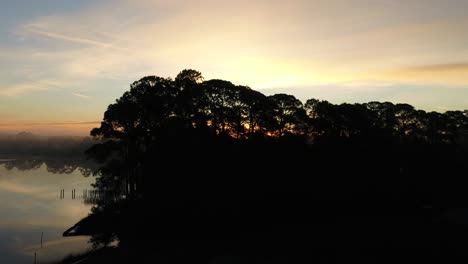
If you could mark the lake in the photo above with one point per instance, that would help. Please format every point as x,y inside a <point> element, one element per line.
<point>31,204</point>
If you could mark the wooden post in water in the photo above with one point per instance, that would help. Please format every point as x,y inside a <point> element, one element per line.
<point>34,257</point>
<point>42,235</point>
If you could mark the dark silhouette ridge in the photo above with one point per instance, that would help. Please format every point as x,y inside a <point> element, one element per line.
<point>206,169</point>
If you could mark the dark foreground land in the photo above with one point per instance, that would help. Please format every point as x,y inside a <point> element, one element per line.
<point>373,205</point>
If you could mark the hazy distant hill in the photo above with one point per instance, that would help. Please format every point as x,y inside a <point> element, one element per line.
<point>27,144</point>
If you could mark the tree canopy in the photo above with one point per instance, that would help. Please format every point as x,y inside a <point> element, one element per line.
<point>194,156</point>
<point>155,108</point>
<point>160,117</point>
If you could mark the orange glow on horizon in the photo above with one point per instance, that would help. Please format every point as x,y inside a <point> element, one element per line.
<point>51,129</point>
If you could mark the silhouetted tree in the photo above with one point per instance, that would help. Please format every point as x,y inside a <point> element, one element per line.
<point>435,127</point>
<point>257,112</point>
<point>385,120</point>
<point>288,114</point>
<point>457,125</point>
<point>356,120</point>
<point>324,120</point>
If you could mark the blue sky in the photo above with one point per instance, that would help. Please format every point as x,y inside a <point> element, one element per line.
<point>62,62</point>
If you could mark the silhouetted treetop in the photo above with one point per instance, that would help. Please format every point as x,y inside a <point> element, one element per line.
<point>155,105</point>
<point>189,75</point>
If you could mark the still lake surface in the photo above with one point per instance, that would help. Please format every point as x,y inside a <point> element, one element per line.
<point>30,204</point>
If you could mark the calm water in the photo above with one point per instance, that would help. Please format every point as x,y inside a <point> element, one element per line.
<point>30,204</point>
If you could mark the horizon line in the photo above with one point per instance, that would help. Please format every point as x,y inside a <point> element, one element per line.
<point>51,123</point>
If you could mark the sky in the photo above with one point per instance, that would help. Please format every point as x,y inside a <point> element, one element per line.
<point>62,62</point>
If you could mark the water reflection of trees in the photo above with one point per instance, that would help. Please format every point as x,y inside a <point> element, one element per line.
<point>53,165</point>
<point>196,163</point>
<point>98,196</point>
<point>22,164</point>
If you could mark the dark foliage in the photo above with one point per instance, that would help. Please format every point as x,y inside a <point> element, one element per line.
<point>209,168</point>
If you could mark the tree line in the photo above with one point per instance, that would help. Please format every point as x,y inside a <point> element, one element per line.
<point>203,163</point>
<point>159,114</point>
<point>157,108</point>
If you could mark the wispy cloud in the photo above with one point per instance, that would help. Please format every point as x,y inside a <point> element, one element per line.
<point>22,88</point>
<point>81,95</point>
<point>159,39</point>
<point>82,40</point>
<point>461,66</point>
<point>455,74</point>
<point>112,43</point>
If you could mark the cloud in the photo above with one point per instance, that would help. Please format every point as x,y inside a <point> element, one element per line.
<point>81,95</point>
<point>82,40</point>
<point>430,68</point>
<point>65,37</point>
<point>455,74</point>
<point>128,40</point>
<point>22,88</point>
<point>224,36</point>
<point>110,44</point>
